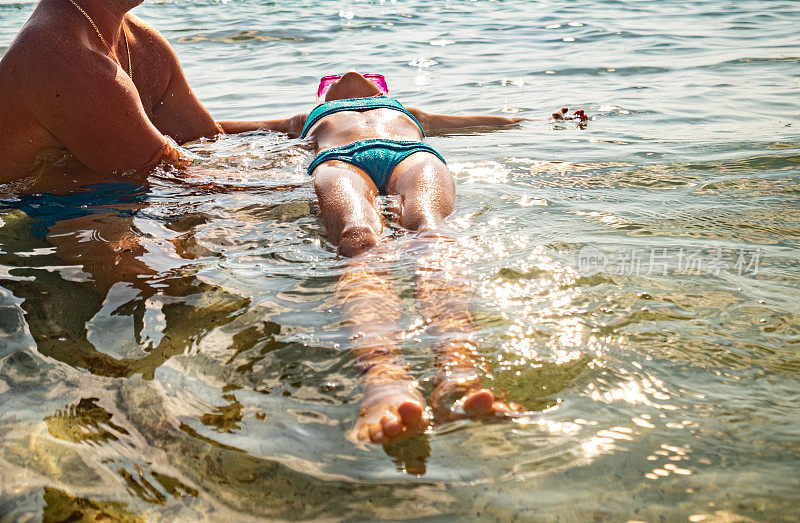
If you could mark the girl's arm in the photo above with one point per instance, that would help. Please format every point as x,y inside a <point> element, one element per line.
<point>291,126</point>
<point>438,122</point>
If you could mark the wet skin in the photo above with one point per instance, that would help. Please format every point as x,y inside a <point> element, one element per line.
<point>62,91</point>
<point>69,108</point>
<point>95,99</point>
<point>392,406</point>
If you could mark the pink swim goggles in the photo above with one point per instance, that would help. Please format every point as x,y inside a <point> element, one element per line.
<point>326,82</point>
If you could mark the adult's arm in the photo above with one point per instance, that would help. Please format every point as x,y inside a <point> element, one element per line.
<point>178,114</point>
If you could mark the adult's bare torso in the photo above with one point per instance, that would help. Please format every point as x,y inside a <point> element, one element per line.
<point>346,127</point>
<point>23,140</point>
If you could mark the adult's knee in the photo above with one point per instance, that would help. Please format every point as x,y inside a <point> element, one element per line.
<point>357,239</point>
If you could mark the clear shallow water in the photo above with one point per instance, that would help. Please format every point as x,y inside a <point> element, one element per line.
<point>180,354</point>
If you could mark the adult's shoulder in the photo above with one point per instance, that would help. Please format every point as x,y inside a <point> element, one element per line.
<point>157,45</point>
<point>37,42</point>
<point>42,59</point>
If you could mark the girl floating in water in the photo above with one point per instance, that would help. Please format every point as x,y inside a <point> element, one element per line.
<point>369,144</point>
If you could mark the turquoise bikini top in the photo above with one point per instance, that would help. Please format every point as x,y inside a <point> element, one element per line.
<point>355,104</point>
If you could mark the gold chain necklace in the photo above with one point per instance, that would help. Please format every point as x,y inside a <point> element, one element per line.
<point>108,47</point>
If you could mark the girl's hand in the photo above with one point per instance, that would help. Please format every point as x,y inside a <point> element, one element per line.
<point>563,114</point>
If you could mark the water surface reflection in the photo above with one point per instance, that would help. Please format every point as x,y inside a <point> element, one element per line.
<point>177,350</point>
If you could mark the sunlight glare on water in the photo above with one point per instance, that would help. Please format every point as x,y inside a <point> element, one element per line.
<point>176,351</point>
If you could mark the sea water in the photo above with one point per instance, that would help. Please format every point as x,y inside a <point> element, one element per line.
<point>636,278</point>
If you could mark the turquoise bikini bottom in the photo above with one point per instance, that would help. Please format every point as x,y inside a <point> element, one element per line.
<point>376,157</point>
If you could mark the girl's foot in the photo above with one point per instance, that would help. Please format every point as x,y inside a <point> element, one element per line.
<point>459,394</point>
<point>389,410</point>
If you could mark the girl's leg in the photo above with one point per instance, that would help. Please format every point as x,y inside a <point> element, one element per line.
<point>426,189</point>
<point>391,405</point>
<point>427,194</point>
<point>347,202</point>
<point>444,298</point>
